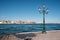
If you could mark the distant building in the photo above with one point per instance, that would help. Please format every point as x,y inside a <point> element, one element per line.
<point>0,22</point>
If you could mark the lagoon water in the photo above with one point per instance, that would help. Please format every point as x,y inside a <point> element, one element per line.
<point>13,28</point>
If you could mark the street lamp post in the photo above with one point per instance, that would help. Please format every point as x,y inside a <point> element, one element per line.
<point>43,11</point>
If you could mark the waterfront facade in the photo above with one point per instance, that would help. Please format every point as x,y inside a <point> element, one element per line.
<point>16,22</point>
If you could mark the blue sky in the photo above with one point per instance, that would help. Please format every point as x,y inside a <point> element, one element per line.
<point>28,10</point>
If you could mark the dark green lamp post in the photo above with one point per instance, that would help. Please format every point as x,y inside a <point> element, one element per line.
<point>43,11</point>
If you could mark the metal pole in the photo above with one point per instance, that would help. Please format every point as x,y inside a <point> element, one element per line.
<point>44,29</point>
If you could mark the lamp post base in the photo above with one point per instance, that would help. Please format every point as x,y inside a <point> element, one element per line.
<point>44,32</point>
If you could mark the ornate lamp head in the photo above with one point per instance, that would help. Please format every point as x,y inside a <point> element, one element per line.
<point>39,9</point>
<point>47,11</point>
<point>43,5</point>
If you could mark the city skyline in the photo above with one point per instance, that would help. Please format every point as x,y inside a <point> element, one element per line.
<point>28,10</point>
